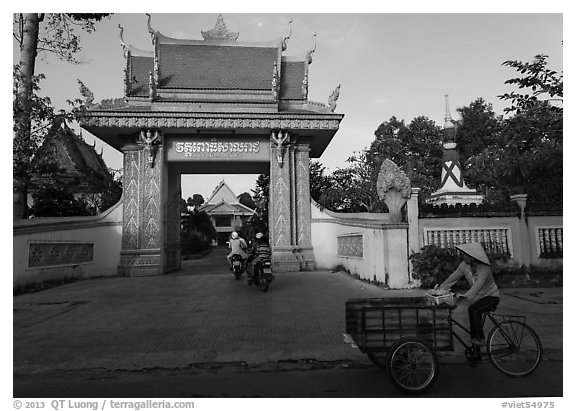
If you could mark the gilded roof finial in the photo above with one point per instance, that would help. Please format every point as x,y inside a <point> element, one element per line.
<point>334,98</point>
<point>285,41</point>
<point>309,55</point>
<point>220,31</point>
<point>125,47</point>
<point>153,33</point>
<point>448,122</point>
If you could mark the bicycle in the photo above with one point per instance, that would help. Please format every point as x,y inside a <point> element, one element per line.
<point>512,346</point>
<point>403,334</point>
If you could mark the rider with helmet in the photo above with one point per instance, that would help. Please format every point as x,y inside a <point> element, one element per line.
<point>260,251</point>
<point>238,246</point>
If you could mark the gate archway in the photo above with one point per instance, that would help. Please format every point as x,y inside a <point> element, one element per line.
<point>204,106</point>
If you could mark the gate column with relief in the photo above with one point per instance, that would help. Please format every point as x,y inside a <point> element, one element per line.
<point>151,217</point>
<point>290,206</point>
<point>142,226</point>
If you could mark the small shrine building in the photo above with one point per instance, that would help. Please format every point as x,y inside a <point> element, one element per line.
<point>453,189</point>
<point>226,212</point>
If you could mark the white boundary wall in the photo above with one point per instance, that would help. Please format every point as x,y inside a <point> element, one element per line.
<point>69,247</point>
<point>366,244</point>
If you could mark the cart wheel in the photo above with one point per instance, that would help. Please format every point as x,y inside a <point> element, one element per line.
<point>378,358</point>
<point>412,365</point>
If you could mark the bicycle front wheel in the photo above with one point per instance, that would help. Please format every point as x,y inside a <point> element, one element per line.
<point>514,348</point>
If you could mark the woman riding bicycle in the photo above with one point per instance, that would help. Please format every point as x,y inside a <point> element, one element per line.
<point>483,293</point>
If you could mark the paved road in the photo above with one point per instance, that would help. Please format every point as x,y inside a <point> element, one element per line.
<point>301,380</point>
<point>201,315</point>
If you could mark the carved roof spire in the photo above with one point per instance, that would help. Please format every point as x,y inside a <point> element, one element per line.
<point>220,31</point>
<point>153,33</point>
<point>448,122</point>
<point>285,40</point>
<point>125,47</point>
<point>309,55</point>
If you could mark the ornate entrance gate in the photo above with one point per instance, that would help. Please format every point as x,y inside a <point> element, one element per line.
<point>213,106</point>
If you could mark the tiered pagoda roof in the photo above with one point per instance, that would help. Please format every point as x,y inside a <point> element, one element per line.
<point>78,161</point>
<point>216,82</point>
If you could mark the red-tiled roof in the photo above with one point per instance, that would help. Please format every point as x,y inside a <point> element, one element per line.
<point>140,68</point>
<point>292,77</point>
<point>76,158</point>
<point>216,67</point>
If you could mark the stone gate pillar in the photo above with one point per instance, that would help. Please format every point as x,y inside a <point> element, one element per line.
<point>290,209</point>
<point>172,218</point>
<point>303,209</point>
<point>143,228</point>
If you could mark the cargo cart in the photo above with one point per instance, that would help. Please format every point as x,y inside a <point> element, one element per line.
<point>403,335</point>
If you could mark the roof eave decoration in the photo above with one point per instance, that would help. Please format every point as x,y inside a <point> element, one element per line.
<point>334,98</point>
<point>285,40</point>
<point>153,33</point>
<point>275,81</point>
<point>309,54</point>
<point>220,31</point>
<point>128,49</point>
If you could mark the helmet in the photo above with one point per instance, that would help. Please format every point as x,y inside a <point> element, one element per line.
<point>234,235</point>
<point>259,236</point>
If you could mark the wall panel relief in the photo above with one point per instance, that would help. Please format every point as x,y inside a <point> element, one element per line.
<point>351,246</point>
<point>151,202</point>
<point>131,200</point>
<point>303,211</point>
<point>56,254</point>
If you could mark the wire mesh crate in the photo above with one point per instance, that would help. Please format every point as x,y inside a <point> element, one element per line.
<point>376,323</point>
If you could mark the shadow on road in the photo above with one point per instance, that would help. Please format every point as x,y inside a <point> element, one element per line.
<point>211,264</point>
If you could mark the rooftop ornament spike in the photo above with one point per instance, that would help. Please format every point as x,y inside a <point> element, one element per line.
<point>448,122</point>
<point>275,81</point>
<point>153,33</point>
<point>285,41</point>
<point>449,128</point>
<point>334,98</point>
<point>220,31</point>
<point>125,47</point>
<point>309,55</point>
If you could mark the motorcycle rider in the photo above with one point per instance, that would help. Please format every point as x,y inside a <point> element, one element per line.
<point>260,251</point>
<point>238,246</point>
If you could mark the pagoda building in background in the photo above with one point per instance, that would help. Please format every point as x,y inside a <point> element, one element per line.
<point>452,189</point>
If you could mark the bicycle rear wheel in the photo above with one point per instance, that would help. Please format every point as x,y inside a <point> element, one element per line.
<point>412,365</point>
<point>514,348</point>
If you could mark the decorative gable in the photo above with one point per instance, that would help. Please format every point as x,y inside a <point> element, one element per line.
<point>222,193</point>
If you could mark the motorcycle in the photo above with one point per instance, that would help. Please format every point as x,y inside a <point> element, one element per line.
<point>237,266</point>
<point>260,275</point>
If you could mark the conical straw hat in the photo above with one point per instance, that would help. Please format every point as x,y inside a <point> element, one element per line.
<point>475,250</point>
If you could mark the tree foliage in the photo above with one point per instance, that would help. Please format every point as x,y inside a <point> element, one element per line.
<point>543,84</point>
<point>57,200</point>
<point>527,157</point>
<point>247,200</point>
<point>58,33</point>
<point>197,231</point>
<point>261,196</point>
<point>500,156</point>
<point>34,32</point>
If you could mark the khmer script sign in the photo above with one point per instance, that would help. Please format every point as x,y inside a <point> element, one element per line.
<point>217,148</point>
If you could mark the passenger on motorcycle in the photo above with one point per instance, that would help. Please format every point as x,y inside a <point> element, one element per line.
<point>260,251</point>
<point>238,246</point>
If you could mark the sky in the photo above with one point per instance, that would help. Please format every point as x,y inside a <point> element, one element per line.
<point>388,64</point>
